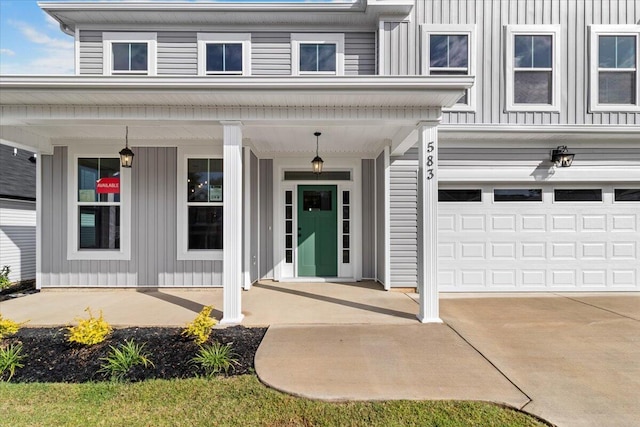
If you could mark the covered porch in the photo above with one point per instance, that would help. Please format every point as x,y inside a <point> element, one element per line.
<point>261,128</point>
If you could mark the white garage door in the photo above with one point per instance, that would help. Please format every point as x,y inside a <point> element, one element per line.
<point>539,238</point>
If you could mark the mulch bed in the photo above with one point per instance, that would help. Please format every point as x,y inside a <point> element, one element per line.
<point>50,358</point>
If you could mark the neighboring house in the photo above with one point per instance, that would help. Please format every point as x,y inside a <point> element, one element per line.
<point>437,119</point>
<point>18,212</point>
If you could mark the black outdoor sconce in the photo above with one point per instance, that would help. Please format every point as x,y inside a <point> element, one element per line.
<point>562,157</point>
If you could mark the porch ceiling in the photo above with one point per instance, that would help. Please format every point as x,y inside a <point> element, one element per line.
<point>355,114</point>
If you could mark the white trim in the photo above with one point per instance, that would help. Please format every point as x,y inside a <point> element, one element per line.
<point>73,252</point>
<point>39,250</point>
<point>533,30</point>
<point>468,30</point>
<point>212,38</point>
<point>317,38</point>
<point>387,218</point>
<point>610,30</point>
<point>247,217</point>
<point>76,51</point>
<point>128,37</point>
<point>182,226</point>
<point>381,48</point>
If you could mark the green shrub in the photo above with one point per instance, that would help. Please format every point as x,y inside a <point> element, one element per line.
<point>200,329</point>
<point>10,360</point>
<point>122,359</point>
<point>89,331</point>
<point>8,327</point>
<point>4,277</point>
<point>215,358</point>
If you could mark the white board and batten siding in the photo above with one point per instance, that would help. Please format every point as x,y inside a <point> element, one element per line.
<point>177,53</point>
<point>18,238</point>
<point>153,223</point>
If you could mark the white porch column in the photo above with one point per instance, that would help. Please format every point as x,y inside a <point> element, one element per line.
<point>428,222</point>
<point>232,277</point>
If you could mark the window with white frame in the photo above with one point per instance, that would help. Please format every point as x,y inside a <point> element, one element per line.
<point>129,53</point>
<point>448,50</point>
<point>317,54</point>
<point>99,208</point>
<point>224,53</point>
<point>614,68</point>
<point>533,75</point>
<point>200,204</point>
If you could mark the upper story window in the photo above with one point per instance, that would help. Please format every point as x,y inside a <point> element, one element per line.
<point>614,68</point>
<point>533,75</point>
<point>449,51</point>
<point>129,54</point>
<point>317,54</point>
<point>224,53</point>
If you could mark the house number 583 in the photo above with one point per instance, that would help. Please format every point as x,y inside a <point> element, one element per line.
<point>430,149</point>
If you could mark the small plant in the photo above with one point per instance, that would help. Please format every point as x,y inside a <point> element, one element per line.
<point>89,331</point>
<point>4,277</point>
<point>122,359</point>
<point>200,329</point>
<point>8,327</point>
<point>10,360</point>
<point>215,358</point>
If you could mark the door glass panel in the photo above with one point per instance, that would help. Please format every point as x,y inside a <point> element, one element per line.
<point>316,201</point>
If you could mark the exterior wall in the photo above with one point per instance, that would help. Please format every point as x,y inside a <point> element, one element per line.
<point>368,219</point>
<point>153,244</point>
<point>18,238</point>
<point>403,217</point>
<point>403,52</point>
<point>265,195</point>
<point>270,53</point>
<point>380,218</point>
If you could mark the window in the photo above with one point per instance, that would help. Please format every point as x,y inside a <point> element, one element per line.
<point>627,195</point>
<point>578,195</point>
<point>317,54</point>
<point>517,195</point>
<point>448,51</point>
<point>129,54</point>
<point>200,204</point>
<point>460,195</point>
<point>98,208</point>
<point>224,53</point>
<point>533,78</point>
<point>614,68</point>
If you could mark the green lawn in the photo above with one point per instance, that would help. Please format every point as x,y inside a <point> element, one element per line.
<point>235,401</point>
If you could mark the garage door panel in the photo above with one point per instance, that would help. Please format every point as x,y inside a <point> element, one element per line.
<point>503,223</point>
<point>472,223</point>
<point>533,223</point>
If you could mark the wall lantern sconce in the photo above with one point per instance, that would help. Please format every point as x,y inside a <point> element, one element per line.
<point>126,155</point>
<point>317,161</point>
<point>562,157</point>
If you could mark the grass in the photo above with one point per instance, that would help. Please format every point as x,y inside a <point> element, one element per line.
<point>225,401</point>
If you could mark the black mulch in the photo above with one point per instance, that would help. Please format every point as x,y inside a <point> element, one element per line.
<point>50,358</point>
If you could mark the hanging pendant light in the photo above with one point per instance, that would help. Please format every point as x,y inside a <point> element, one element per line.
<point>126,155</point>
<point>317,161</point>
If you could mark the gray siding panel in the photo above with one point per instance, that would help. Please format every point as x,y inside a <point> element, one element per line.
<point>270,54</point>
<point>359,53</point>
<point>403,219</point>
<point>18,238</point>
<point>368,219</point>
<point>253,274</point>
<point>403,53</point>
<point>178,53</point>
<point>91,52</point>
<point>266,218</point>
<point>153,223</point>
<point>380,218</point>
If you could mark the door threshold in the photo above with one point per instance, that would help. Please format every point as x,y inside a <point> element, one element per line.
<point>317,279</point>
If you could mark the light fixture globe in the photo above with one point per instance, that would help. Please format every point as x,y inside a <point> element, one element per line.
<point>317,161</point>
<point>562,157</point>
<point>126,155</point>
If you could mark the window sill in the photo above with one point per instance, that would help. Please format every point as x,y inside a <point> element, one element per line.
<point>615,108</point>
<point>99,255</point>
<point>532,108</point>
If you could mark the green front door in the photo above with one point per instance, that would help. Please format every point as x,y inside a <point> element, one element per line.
<point>317,230</point>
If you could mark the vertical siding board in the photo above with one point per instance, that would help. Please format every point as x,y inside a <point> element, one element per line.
<point>47,220</point>
<point>380,218</point>
<point>266,218</point>
<point>368,218</point>
<point>253,262</point>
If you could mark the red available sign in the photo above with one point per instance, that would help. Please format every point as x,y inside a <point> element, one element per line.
<point>108,185</point>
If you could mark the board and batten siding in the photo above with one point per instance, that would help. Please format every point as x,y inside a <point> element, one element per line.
<point>403,219</point>
<point>254,215</point>
<point>368,219</point>
<point>402,52</point>
<point>18,238</point>
<point>265,195</point>
<point>177,53</point>
<point>153,224</point>
<point>380,218</point>
<point>91,52</point>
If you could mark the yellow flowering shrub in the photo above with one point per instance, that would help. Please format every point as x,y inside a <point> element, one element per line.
<point>91,331</point>
<point>200,328</point>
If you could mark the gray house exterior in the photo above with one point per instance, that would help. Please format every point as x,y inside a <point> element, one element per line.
<point>437,122</point>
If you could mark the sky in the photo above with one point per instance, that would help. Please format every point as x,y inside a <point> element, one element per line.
<point>31,42</point>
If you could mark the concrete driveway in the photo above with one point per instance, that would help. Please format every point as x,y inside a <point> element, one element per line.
<point>577,357</point>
